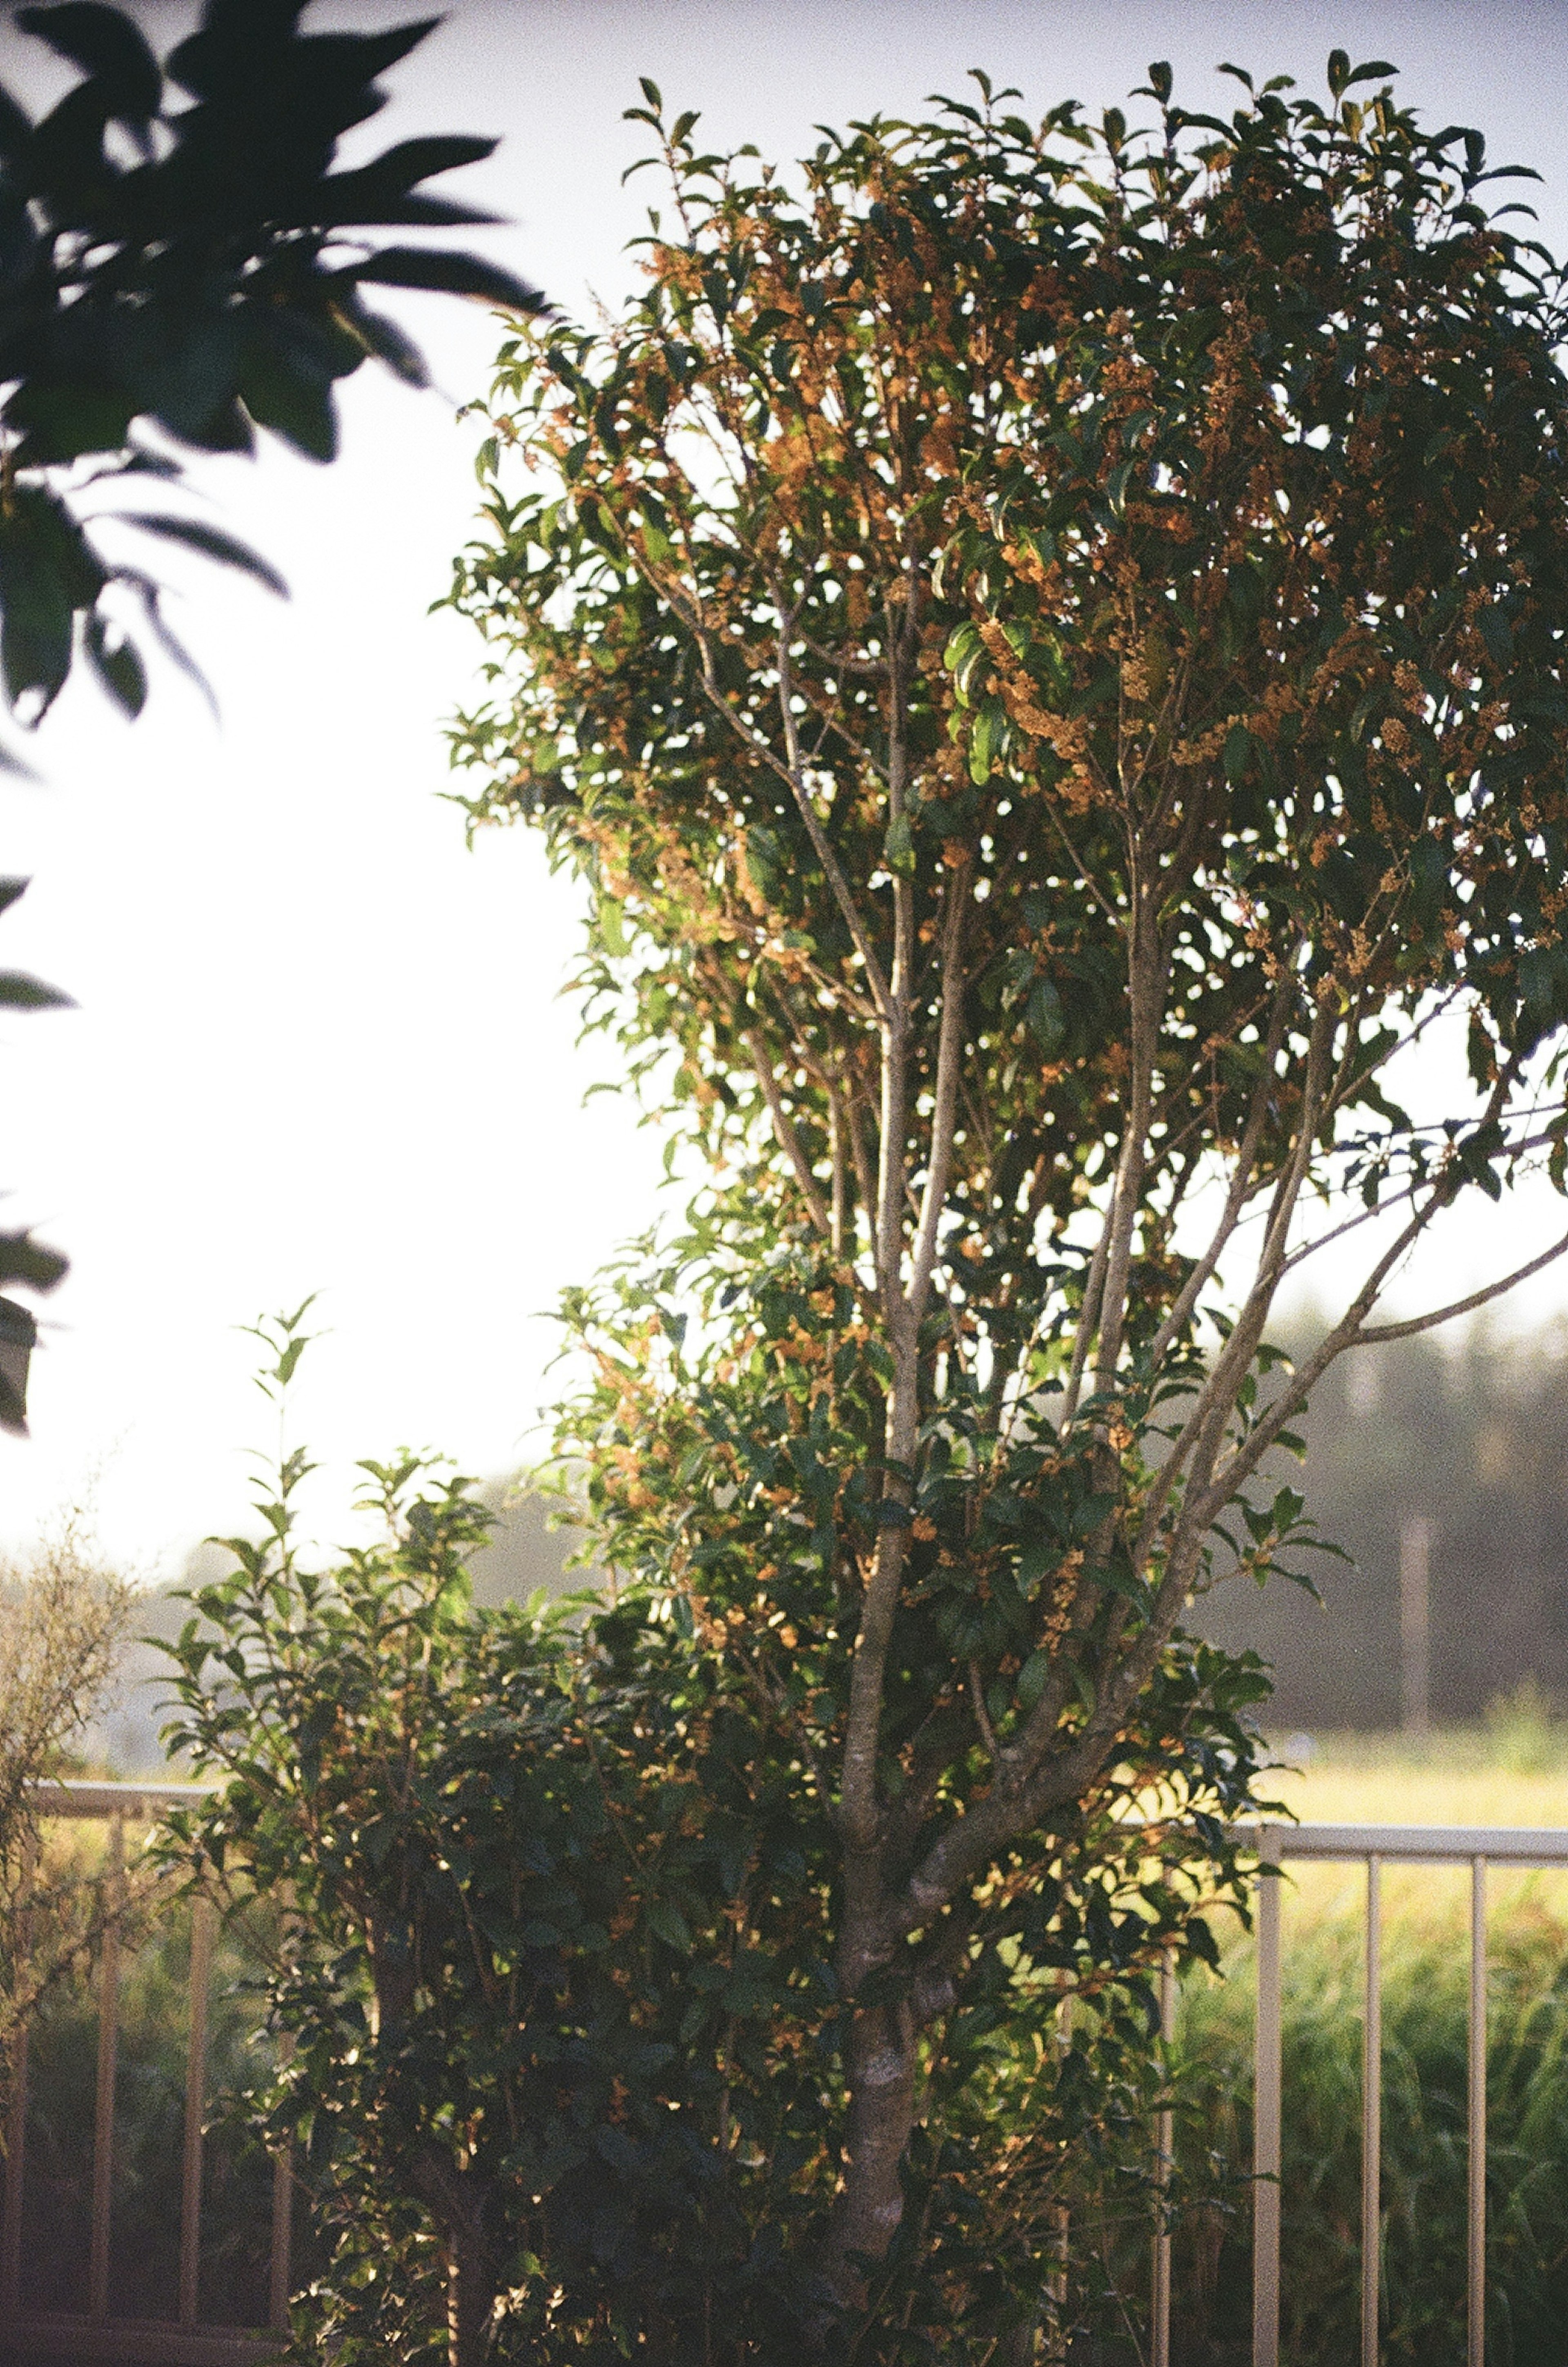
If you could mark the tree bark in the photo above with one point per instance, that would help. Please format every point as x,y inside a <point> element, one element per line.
<point>883,2065</point>
<point>470,2300</point>
<point>455,2200</point>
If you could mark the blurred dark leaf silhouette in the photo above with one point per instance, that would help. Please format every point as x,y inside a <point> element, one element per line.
<point>179,266</point>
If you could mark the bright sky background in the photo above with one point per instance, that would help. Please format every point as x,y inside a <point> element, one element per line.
<point>319,1044</point>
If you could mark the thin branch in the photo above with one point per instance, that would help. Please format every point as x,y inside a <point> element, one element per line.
<point>797,789</point>
<point>1236,1198</point>
<point>1086,878</point>
<point>1460,1306</point>
<point>982,1716</point>
<point>1089,1319</point>
<point>950,1053</point>
<point>784,1127</point>
<point>1201,1435</point>
<point>1345,1334</point>
<point>836,1151</point>
<point>1146,977</point>
<point>1514,1152</point>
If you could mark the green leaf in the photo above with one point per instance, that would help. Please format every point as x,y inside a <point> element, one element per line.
<point>118,664</point>
<point>107,47</point>
<point>984,734</point>
<point>899,846</point>
<point>226,549</point>
<point>670,1925</point>
<point>449,273</point>
<point>1047,1020</point>
<point>19,992</point>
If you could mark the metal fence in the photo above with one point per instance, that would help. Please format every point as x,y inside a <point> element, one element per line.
<point>182,2341</point>
<point>98,2333</point>
<point>1372,1846</point>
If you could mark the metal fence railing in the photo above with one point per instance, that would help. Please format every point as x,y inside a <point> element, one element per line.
<point>98,2333</point>
<point>184,2341</point>
<point>1373,1847</point>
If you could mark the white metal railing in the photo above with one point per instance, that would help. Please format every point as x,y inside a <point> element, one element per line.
<point>182,2341</point>
<point>1372,1846</point>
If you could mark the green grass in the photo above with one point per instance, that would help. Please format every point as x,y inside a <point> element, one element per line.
<point>1513,1772</point>
<point>148,2143</point>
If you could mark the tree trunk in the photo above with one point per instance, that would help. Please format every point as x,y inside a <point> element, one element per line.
<point>471,2298</point>
<point>455,2200</point>
<point>882,2067</point>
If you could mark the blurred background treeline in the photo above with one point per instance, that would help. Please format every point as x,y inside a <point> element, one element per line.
<point>1447,1456</point>
<point>1444,1459</point>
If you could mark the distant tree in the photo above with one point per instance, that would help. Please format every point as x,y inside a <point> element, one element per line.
<point>1471,1434</point>
<point>179,266</point>
<point>1045,645</point>
<point>63,1616</point>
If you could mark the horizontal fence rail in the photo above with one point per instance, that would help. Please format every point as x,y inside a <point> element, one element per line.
<point>100,2333</point>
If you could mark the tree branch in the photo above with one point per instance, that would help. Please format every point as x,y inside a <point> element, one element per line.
<point>784,1127</point>
<point>950,1054</point>
<point>1385,1331</point>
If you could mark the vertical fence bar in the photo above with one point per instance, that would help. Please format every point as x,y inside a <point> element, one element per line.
<point>202,1919</point>
<point>1371,2118</point>
<point>16,2158</point>
<point>1165,2137</point>
<point>1266,2114</point>
<point>1475,2294</point>
<point>16,2116</point>
<point>103,2105</point>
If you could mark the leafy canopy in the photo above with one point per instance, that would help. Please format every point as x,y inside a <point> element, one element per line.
<point>1046,644</point>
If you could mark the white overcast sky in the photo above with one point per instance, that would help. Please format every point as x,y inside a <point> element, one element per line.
<point>319,1044</point>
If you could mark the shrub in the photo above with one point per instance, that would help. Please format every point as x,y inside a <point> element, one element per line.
<point>565,2048</point>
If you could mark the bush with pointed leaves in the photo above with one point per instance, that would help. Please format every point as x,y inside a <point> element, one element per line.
<point>565,2061</point>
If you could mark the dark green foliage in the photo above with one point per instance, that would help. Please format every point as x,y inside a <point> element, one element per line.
<point>178,255</point>
<point>566,2047</point>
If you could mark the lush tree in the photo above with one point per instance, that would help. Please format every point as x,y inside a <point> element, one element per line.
<point>179,266</point>
<point>1046,644</point>
<point>563,2076</point>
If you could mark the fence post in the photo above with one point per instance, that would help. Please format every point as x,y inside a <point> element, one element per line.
<point>16,2116</point>
<point>203,1917</point>
<point>1475,2282</point>
<point>102,2103</point>
<point>1266,2111</point>
<point>1371,2119</point>
<point>1165,2137</point>
<point>1057,2282</point>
